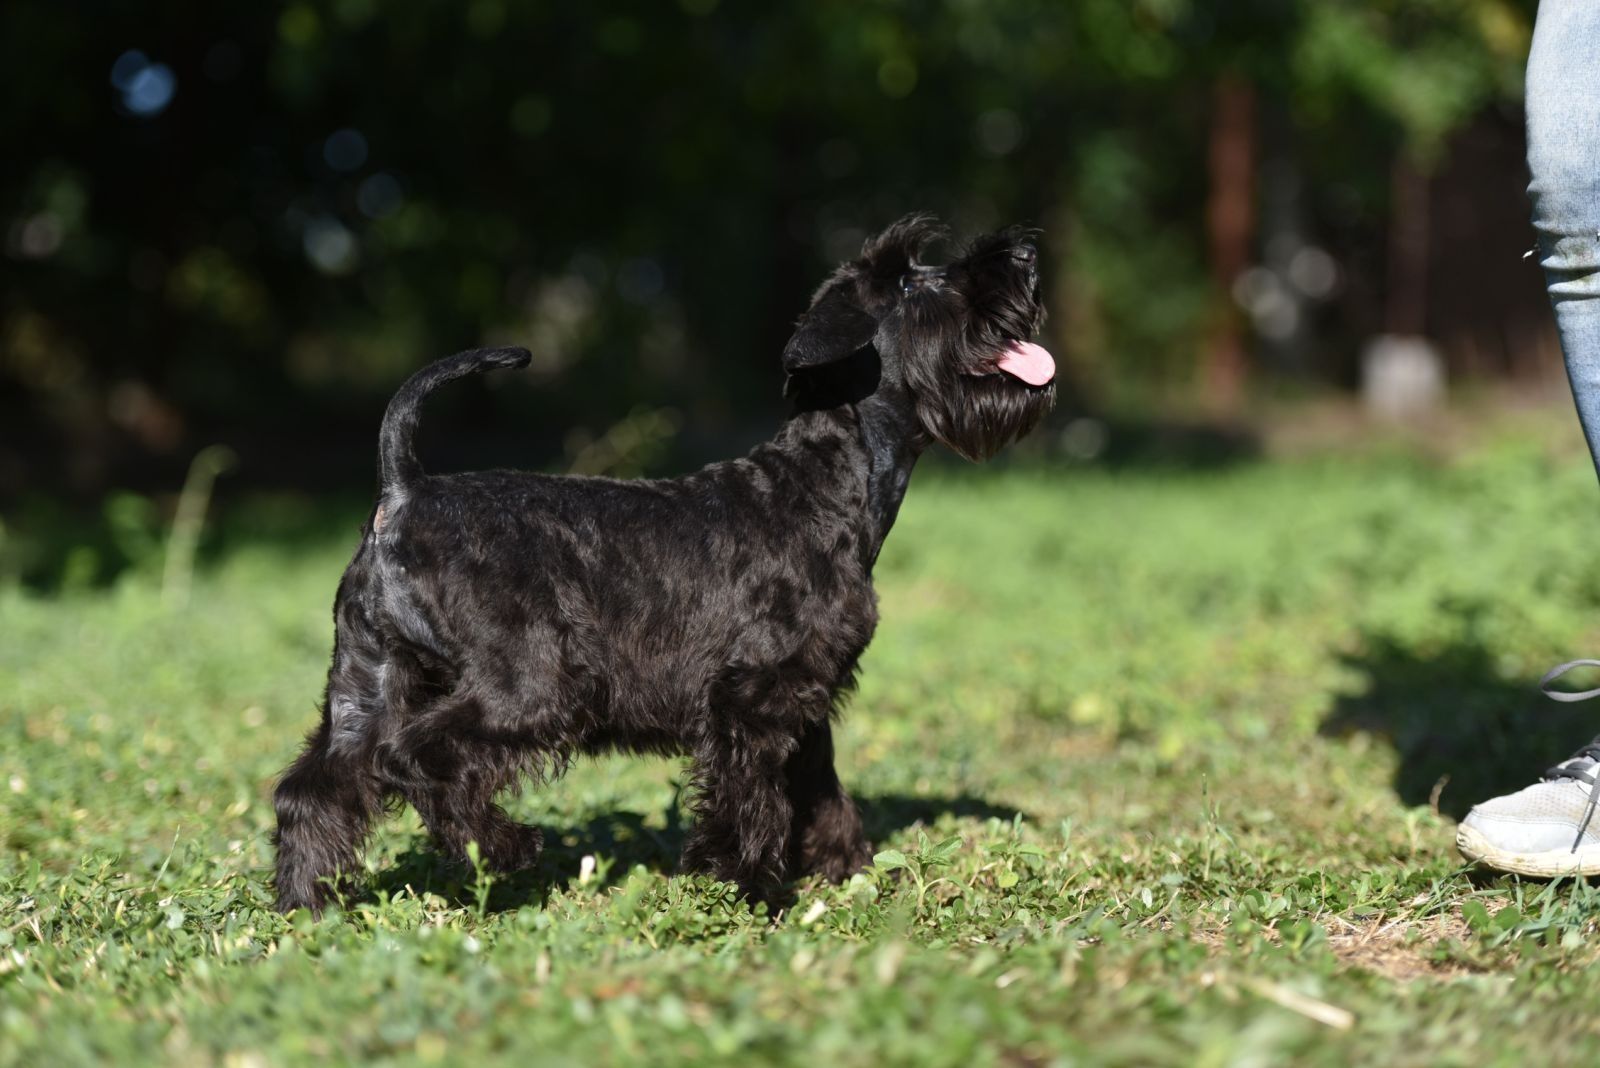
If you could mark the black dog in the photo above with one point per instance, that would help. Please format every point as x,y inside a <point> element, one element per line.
<point>495,625</point>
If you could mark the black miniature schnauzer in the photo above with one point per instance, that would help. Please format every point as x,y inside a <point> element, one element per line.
<point>495,625</point>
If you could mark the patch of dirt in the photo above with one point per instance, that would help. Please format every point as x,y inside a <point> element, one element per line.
<point>1395,947</point>
<point>1399,948</point>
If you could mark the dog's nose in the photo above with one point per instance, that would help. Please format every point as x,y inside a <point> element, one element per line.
<point>1025,253</point>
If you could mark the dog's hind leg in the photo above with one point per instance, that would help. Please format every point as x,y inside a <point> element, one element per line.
<point>327,799</point>
<point>450,769</point>
<point>826,837</point>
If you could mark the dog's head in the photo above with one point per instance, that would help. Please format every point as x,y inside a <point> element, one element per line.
<point>954,342</point>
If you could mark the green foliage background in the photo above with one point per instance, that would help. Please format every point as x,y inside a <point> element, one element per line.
<point>644,192</point>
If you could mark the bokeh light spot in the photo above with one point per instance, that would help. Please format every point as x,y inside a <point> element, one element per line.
<point>530,116</point>
<point>147,88</point>
<point>379,196</point>
<point>1314,272</point>
<point>299,26</point>
<point>998,132</point>
<point>330,246</point>
<point>345,150</point>
<point>486,17</point>
<point>640,281</point>
<point>897,76</point>
<point>37,237</point>
<point>126,67</point>
<point>619,36</point>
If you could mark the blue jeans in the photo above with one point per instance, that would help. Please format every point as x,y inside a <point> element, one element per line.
<point>1563,102</point>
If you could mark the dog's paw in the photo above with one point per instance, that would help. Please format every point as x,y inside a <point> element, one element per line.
<point>839,862</point>
<point>515,847</point>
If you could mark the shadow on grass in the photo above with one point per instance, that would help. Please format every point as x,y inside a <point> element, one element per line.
<point>1456,726</point>
<point>624,840</point>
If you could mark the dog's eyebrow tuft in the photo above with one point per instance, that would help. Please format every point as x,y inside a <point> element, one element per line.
<point>906,237</point>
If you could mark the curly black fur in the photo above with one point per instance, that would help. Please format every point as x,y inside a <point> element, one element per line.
<point>495,625</point>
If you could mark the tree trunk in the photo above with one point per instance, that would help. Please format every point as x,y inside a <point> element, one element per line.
<point>1230,219</point>
<point>1406,312</point>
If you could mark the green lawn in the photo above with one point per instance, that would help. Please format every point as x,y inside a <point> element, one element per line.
<point>1164,765</point>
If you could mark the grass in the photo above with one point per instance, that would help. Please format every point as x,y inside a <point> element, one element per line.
<point>1163,766</point>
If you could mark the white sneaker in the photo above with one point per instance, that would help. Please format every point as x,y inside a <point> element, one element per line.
<point>1547,829</point>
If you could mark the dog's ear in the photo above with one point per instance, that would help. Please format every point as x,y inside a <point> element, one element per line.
<point>833,328</point>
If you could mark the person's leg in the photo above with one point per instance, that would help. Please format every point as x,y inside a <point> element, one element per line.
<point>1563,102</point>
<point>1550,828</point>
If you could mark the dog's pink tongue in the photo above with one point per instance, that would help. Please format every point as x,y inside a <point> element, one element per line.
<point>1028,362</point>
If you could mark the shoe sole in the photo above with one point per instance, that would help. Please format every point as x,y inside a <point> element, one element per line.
<point>1548,865</point>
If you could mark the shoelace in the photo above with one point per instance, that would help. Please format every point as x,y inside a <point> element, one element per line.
<point>1590,752</point>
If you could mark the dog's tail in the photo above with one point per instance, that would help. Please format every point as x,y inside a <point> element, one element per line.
<point>397,464</point>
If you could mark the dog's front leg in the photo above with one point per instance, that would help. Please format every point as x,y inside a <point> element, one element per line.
<point>826,837</point>
<point>742,813</point>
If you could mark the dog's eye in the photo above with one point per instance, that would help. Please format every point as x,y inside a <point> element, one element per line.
<point>908,284</point>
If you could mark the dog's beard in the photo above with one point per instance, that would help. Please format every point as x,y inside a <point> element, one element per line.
<point>995,387</point>
<point>979,415</point>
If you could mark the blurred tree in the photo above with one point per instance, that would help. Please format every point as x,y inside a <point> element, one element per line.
<point>245,222</point>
